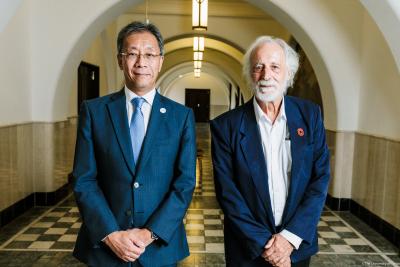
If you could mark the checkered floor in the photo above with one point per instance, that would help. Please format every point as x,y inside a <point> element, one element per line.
<point>205,181</point>
<point>56,230</point>
<point>204,229</point>
<point>335,235</point>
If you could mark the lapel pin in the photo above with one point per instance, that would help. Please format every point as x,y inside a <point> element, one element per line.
<point>163,110</point>
<point>300,132</point>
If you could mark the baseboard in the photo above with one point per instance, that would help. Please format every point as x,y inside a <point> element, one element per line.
<point>52,198</point>
<point>34,199</point>
<point>387,230</point>
<point>339,204</point>
<point>10,213</point>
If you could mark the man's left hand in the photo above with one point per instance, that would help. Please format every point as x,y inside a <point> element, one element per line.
<point>277,250</point>
<point>143,234</point>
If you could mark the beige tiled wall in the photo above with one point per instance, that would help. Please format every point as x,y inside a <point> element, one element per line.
<point>374,172</point>
<point>376,184</point>
<point>15,163</point>
<point>341,148</point>
<point>34,157</point>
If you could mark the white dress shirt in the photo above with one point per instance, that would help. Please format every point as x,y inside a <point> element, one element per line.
<point>276,148</point>
<point>146,107</point>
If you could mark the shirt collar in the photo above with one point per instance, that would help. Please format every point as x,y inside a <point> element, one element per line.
<point>149,97</point>
<point>261,115</point>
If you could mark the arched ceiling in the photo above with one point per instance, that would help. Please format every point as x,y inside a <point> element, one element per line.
<point>186,68</point>
<point>220,8</point>
<point>222,46</point>
<point>229,66</point>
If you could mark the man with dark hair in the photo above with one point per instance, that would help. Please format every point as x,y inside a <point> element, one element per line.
<point>271,165</point>
<point>134,167</point>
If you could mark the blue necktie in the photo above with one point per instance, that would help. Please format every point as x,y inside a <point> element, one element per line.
<point>137,127</point>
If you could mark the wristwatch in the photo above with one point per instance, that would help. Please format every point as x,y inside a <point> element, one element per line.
<point>153,235</point>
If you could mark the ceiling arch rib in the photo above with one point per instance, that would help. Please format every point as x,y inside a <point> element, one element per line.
<point>210,43</point>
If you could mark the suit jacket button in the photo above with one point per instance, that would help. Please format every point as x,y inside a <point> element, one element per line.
<point>136,185</point>
<point>128,212</point>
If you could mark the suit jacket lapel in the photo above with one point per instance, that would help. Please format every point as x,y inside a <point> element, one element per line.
<point>252,151</point>
<point>119,118</point>
<point>298,141</point>
<point>154,130</point>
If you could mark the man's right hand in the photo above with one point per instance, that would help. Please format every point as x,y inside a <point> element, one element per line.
<point>126,246</point>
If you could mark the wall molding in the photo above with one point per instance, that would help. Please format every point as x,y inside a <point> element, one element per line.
<point>72,118</point>
<point>386,138</point>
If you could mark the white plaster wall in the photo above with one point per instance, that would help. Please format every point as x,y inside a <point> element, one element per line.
<point>334,29</point>
<point>380,86</point>
<point>219,98</point>
<point>94,55</point>
<point>387,15</point>
<point>241,32</point>
<point>15,72</point>
<point>223,27</point>
<point>7,11</point>
<point>61,33</point>
<point>218,89</point>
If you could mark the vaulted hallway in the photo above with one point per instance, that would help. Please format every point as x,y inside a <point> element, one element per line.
<point>51,51</point>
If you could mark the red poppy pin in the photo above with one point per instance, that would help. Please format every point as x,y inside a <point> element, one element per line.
<point>300,132</point>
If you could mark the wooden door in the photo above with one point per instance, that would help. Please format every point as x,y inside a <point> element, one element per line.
<point>199,101</point>
<point>88,82</point>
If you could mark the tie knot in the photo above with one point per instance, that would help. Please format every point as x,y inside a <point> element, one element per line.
<point>138,102</point>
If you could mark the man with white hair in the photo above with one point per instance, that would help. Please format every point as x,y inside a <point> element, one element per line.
<point>271,165</point>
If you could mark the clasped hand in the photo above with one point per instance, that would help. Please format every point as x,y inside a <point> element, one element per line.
<point>277,251</point>
<point>130,244</point>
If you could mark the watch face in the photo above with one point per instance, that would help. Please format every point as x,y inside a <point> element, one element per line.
<point>154,236</point>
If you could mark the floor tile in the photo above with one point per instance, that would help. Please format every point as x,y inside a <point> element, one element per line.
<point>27,237</point>
<point>67,238</point>
<point>355,241</point>
<point>56,231</point>
<point>41,245</point>
<point>329,234</point>
<point>342,248</point>
<point>215,247</point>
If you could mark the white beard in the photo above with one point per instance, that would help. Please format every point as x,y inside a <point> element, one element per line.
<point>269,94</point>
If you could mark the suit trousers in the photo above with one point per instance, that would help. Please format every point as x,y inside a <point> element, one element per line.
<point>261,262</point>
<point>137,264</point>
<point>303,263</point>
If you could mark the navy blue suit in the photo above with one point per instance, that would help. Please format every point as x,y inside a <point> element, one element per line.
<point>105,175</point>
<point>241,181</point>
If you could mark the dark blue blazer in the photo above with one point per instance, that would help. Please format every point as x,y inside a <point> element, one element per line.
<point>105,173</point>
<point>241,181</point>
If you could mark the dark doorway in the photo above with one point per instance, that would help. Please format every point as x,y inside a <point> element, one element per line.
<point>199,101</point>
<point>88,82</point>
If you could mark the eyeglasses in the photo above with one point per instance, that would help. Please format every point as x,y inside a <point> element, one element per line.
<point>135,56</point>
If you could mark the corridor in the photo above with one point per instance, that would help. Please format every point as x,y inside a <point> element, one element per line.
<point>45,236</point>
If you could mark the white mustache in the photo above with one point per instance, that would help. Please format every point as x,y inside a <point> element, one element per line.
<point>266,83</point>
<point>263,83</point>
